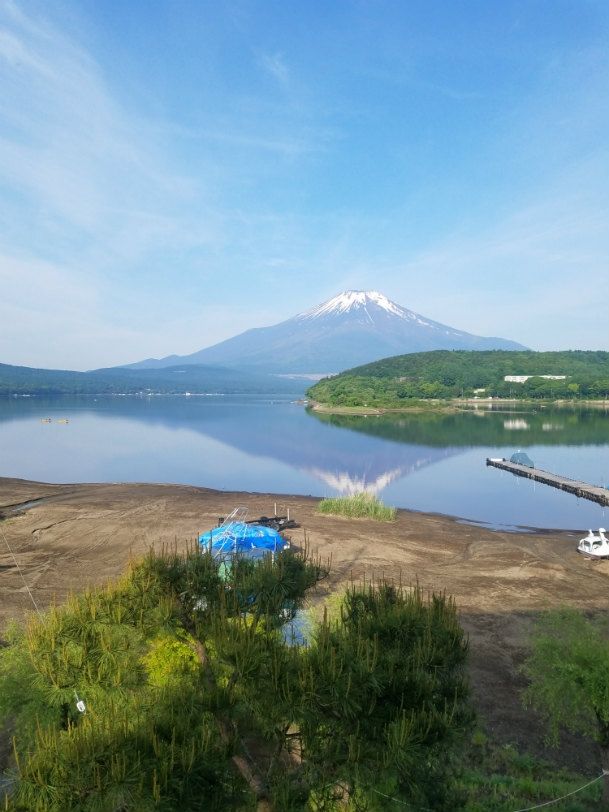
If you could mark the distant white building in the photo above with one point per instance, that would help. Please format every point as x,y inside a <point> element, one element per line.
<point>523,378</point>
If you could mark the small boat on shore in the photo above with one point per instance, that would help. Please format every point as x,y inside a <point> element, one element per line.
<point>594,546</point>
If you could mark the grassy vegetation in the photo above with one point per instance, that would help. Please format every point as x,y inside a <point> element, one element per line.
<point>405,380</point>
<point>358,506</point>
<point>500,779</point>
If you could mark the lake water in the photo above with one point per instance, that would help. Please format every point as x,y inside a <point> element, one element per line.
<point>428,462</point>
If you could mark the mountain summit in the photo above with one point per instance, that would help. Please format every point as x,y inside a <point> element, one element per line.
<point>354,300</point>
<point>350,329</point>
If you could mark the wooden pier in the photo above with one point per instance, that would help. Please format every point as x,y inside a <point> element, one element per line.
<point>592,492</point>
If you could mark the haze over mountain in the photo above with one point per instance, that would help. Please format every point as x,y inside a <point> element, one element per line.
<point>353,328</point>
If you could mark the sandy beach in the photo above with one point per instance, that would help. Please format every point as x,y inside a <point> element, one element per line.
<point>83,534</point>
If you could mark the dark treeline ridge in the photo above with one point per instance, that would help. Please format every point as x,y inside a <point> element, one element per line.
<point>445,374</point>
<point>195,378</point>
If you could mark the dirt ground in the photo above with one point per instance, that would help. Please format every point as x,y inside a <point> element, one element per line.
<point>84,534</point>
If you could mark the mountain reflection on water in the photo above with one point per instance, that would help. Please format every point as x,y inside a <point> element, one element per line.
<point>261,428</point>
<point>426,461</point>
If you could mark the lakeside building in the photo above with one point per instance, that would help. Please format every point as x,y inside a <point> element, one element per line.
<point>524,378</point>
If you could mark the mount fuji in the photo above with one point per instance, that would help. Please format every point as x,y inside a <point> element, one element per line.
<point>353,328</point>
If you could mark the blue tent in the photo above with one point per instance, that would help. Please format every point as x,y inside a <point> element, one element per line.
<point>251,540</point>
<point>522,459</point>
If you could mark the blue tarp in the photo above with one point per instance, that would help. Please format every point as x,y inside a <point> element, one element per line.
<point>252,540</point>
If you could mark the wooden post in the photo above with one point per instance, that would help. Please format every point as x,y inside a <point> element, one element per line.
<point>275,508</point>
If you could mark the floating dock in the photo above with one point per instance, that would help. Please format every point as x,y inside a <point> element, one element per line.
<point>592,492</point>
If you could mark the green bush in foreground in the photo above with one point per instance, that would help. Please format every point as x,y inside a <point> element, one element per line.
<point>358,506</point>
<point>194,700</point>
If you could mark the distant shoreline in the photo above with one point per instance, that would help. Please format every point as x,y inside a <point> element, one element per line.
<point>454,405</point>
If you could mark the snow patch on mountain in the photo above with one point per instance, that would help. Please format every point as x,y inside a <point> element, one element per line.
<point>356,300</point>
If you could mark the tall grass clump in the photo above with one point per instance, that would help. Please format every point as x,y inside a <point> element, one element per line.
<point>358,506</point>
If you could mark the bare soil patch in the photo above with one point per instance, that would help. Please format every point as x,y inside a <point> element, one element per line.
<point>84,534</point>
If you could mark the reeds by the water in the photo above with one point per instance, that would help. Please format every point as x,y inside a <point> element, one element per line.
<point>358,506</point>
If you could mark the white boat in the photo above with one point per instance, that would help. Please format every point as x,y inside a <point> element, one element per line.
<point>594,546</point>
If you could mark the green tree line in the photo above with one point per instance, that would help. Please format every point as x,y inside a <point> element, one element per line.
<point>397,381</point>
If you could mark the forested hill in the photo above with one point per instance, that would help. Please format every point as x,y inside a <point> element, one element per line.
<point>392,382</point>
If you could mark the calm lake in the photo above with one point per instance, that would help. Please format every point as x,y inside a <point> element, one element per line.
<point>429,462</point>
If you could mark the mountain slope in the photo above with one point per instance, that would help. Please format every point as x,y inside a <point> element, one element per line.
<point>352,328</point>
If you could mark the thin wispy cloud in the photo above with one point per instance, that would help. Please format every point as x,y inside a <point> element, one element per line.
<point>94,192</point>
<point>275,65</point>
<point>302,143</point>
<point>66,143</point>
<point>540,276</point>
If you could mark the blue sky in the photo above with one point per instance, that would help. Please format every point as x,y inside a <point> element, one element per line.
<point>172,173</point>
